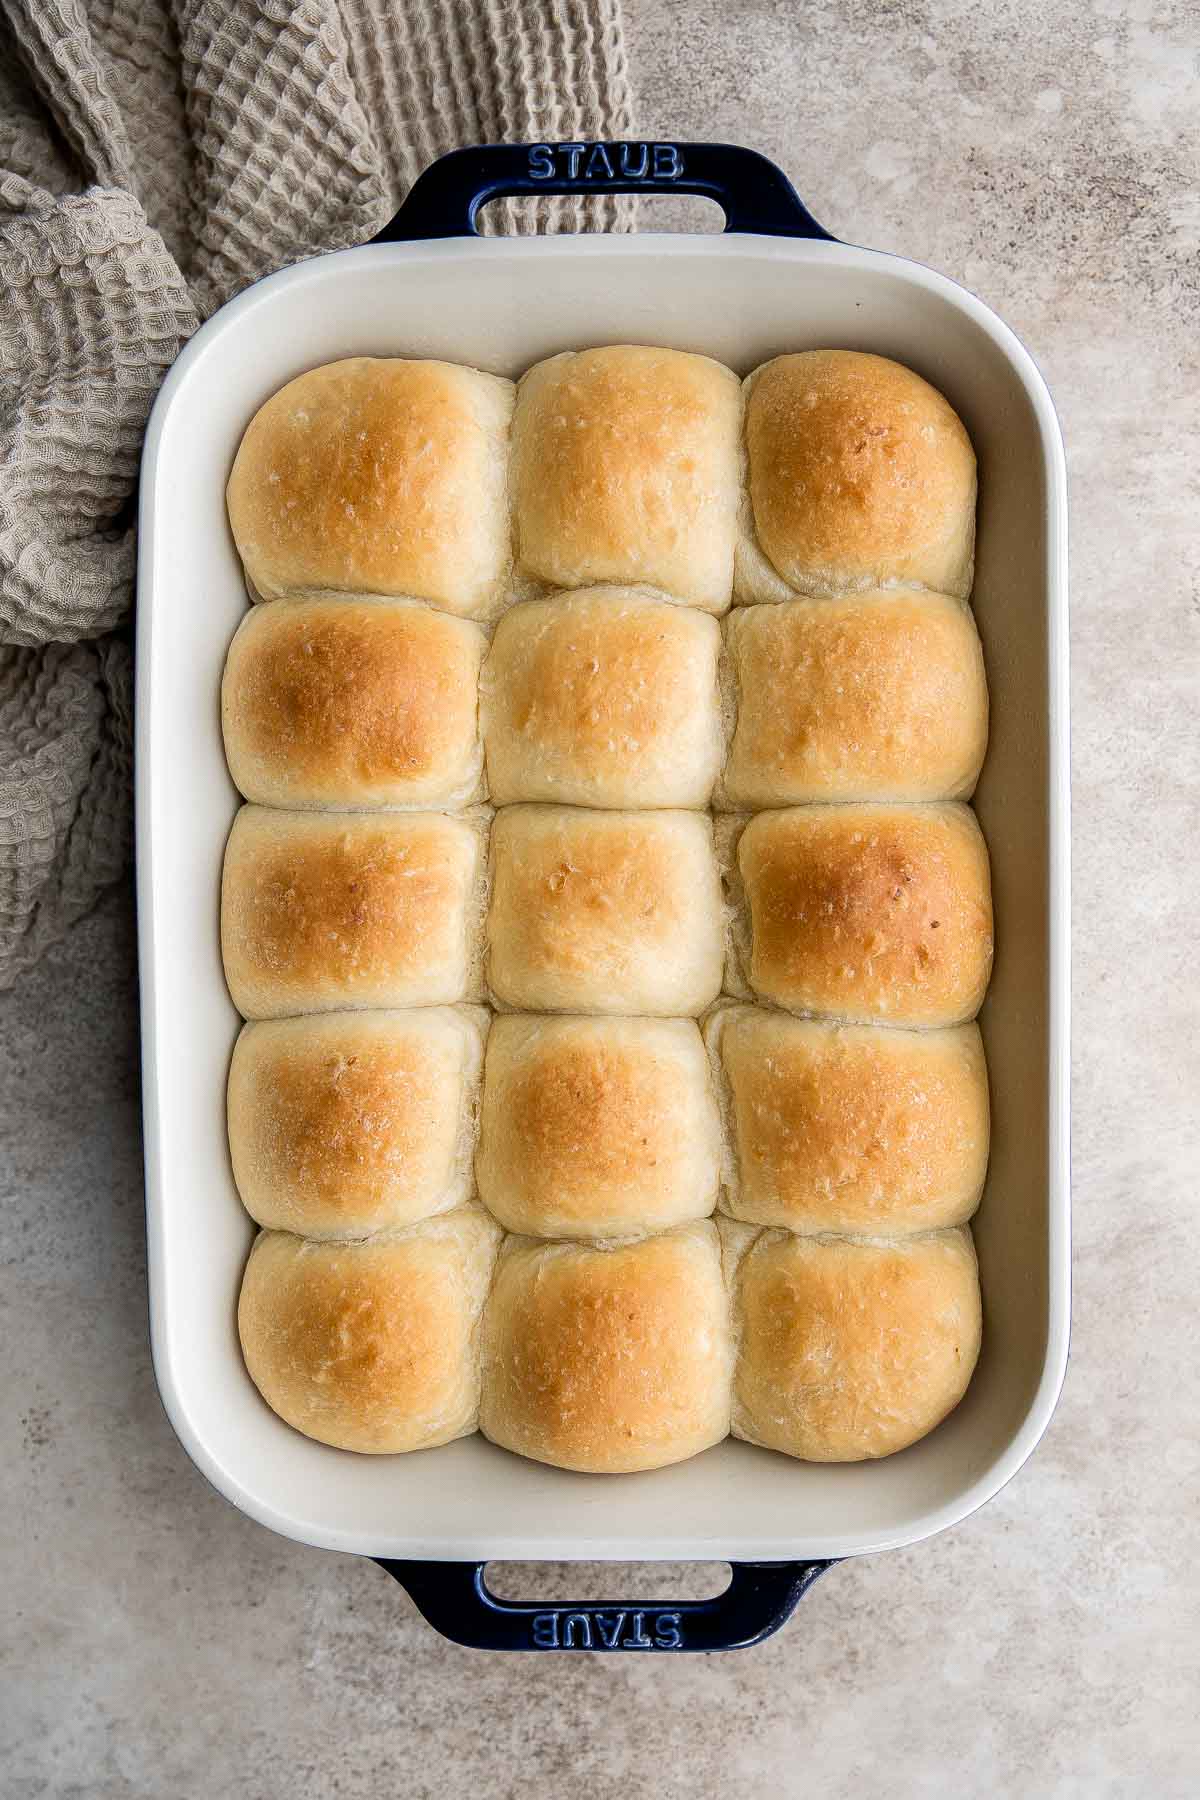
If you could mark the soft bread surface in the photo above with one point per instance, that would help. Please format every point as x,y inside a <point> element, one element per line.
<point>349,1123</point>
<point>324,911</point>
<point>850,1348</point>
<point>851,1128</point>
<point>389,513</point>
<point>860,475</point>
<point>878,696</point>
<point>597,1127</point>
<point>869,912</point>
<point>353,703</point>
<point>371,1346</point>
<point>608,1358</point>
<point>626,467</point>
<point>378,475</point>
<point>604,912</point>
<point>606,697</point>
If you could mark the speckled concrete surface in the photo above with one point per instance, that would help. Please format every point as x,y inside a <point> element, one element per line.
<point>157,1644</point>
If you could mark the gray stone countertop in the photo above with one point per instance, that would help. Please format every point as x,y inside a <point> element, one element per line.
<point>157,1643</point>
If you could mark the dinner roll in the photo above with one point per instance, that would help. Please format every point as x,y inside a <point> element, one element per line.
<point>382,476</point>
<point>353,703</point>
<point>604,912</point>
<point>607,697</point>
<point>348,1123</point>
<point>371,1346</point>
<point>608,1358</point>
<point>322,911</point>
<point>626,467</point>
<point>597,1127</point>
<point>860,475</point>
<point>850,1348</point>
<point>877,696</point>
<point>868,912</point>
<point>850,1128</point>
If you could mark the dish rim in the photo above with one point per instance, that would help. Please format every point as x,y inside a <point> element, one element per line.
<point>532,1545</point>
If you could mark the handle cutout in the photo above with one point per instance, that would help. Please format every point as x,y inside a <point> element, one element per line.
<point>643,1583</point>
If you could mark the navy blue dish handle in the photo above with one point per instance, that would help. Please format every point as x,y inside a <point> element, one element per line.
<point>455,1599</point>
<point>754,195</point>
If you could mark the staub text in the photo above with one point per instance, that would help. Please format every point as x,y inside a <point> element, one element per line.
<point>607,1631</point>
<point>605,162</point>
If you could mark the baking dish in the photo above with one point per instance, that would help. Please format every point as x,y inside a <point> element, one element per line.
<point>774,281</point>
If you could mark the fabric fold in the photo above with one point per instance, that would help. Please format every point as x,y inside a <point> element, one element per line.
<point>157,156</point>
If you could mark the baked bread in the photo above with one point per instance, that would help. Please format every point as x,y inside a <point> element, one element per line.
<point>378,475</point>
<point>626,467</point>
<point>597,1127</point>
<point>867,912</point>
<point>606,697</point>
<point>389,511</point>
<point>851,1348</point>
<point>326,911</point>
<point>608,1357</point>
<point>860,475</point>
<point>604,912</point>
<point>371,1346</point>
<point>347,1123</point>
<point>878,696</point>
<point>353,703</point>
<point>850,1128</point>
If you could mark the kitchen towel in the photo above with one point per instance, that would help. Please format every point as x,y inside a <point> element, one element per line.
<point>156,156</point>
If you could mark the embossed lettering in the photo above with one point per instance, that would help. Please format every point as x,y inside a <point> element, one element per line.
<point>545,1631</point>
<point>598,164</point>
<point>667,161</point>
<point>638,1640</point>
<point>574,152</point>
<point>585,1631</point>
<point>610,1627</point>
<point>541,162</point>
<point>667,1635</point>
<point>627,163</point>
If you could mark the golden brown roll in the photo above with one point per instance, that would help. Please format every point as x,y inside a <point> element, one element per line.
<point>604,912</point>
<point>868,912</point>
<point>323,912</point>
<point>606,697</point>
<point>850,1128</point>
<point>347,1123</point>
<point>850,1348</point>
<point>353,703</point>
<point>608,1358</point>
<point>879,696</point>
<point>371,1346</point>
<point>860,475</point>
<point>597,1127</point>
<point>381,476</point>
<point>626,467</point>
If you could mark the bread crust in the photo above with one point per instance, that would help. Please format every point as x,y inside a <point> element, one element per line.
<point>850,1348</point>
<point>860,475</point>
<point>378,475</point>
<point>626,468</point>
<point>609,1358</point>
<point>868,913</point>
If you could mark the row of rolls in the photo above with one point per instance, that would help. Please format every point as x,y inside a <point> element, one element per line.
<point>610,1080</point>
<point>825,472</point>
<point>607,697</point>
<point>861,913</point>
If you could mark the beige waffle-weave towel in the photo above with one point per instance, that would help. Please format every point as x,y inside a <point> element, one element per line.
<point>155,157</point>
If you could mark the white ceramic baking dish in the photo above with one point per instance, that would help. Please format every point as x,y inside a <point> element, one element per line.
<point>771,283</point>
